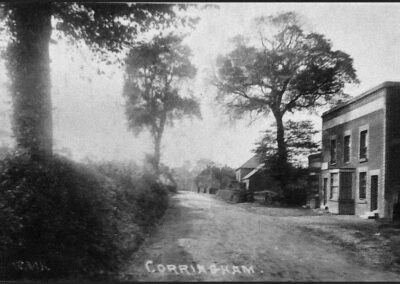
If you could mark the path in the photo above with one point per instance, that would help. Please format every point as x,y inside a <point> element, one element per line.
<point>232,243</point>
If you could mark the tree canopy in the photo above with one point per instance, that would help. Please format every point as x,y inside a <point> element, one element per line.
<point>216,177</point>
<point>299,139</point>
<point>287,70</point>
<point>104,27</point>
<point>284,69</point>
<point>155,72</point>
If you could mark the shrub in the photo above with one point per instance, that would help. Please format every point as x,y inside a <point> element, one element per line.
<point>296,191</point>
<point>141,196</point>
<point>171,188</point>
<point>62,218</point>
<point>295,195</point>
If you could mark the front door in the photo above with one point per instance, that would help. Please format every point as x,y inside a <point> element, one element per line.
<point>346,192</point>
<point>346,201</point>
<point>374,192</point>
<point>324,189</point>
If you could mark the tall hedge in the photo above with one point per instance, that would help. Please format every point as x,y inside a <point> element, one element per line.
<point>63,219</point>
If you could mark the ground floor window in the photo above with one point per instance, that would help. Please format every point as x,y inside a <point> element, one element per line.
<point>334,186</point>
<point>362,185</point>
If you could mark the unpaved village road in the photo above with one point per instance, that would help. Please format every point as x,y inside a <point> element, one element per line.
<point>199,229</point>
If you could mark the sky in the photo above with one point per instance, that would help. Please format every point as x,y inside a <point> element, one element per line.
<point>88,108</point>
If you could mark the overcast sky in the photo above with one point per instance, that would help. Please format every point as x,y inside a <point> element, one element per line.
<point>88,107</point>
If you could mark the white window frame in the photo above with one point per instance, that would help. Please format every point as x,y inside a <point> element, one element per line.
<point>347,133</point>
<point>362,170</point>
<point>367,142</point>
<point>336,196</point>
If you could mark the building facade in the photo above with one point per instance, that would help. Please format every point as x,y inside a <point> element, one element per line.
<point>360,169</point>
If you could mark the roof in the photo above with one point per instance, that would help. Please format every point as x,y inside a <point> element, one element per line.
<point>386,84</point>
<point>250,174</point>
<point>252,163</point>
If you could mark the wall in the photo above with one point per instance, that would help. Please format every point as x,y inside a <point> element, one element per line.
<point>242,172</point>
<point>393,149</point>
<point>262,181</point>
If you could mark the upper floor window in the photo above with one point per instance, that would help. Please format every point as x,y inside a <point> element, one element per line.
<point>363,144</point>
<point>362,185</point>
<point>346,148</point>
<point>333,151</point>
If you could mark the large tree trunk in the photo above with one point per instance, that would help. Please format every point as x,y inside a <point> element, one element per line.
<point>282,151</point>
<point>29,69</point>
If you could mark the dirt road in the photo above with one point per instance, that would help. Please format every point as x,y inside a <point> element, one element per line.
<point>205,239</point>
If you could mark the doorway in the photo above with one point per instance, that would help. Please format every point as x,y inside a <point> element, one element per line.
<point>346,186</point>
<point>374,192</point>
<point>324,190</point>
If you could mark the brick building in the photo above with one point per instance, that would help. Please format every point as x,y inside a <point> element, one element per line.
<point>360,169</point>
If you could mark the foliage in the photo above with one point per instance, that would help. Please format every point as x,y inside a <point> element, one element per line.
<point>299,141</point>
<point>167,178</point>
<point>184,176</point>
<point>154,74</point>
<point>296,176</point>
<point>61,219</point>
<point>105,27</point>
<point>215,177</point>
<point>300,144</point>
<point>286,70</point>
<point>189,177</point>
<point>143,195</point>
<point>291,70</point>
<point>296,192</point>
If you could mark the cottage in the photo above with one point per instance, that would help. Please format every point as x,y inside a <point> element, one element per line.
<point>247,167</point>
<point>361,154</point>
<point>251,175</point>
<point>254,177</point>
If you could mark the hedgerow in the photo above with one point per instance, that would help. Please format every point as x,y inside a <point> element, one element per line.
<point>62,219</point>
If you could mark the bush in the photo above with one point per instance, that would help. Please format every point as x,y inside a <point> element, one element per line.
<point>171,188</point>
<point>295,195</point>
<point>296,191</point>
<point>62,218</point>
<point>142,198</point>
